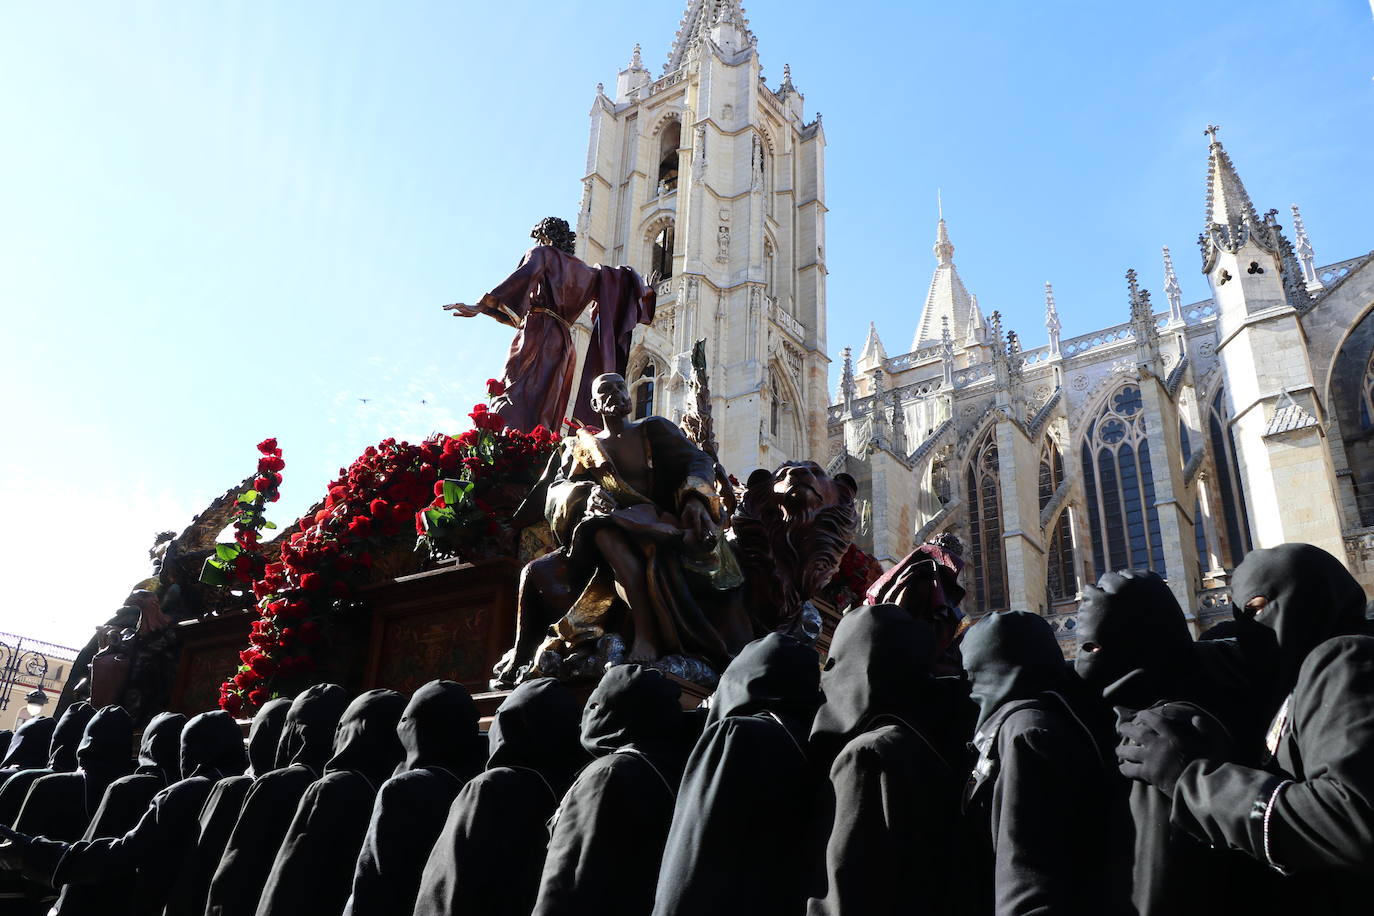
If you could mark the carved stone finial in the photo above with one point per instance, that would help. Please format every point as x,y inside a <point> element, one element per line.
<point>1211,131</point>
<point>1172,290</point>
<point>636,61</point>
<point>1306,256</point>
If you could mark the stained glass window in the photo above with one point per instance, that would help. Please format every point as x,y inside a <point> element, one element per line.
<point>985,527</point>
<point>1122,518</point>
<point>1229,485</point>
<point>1061,584</point>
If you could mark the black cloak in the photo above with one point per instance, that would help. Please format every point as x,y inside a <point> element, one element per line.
<point>741,825</point>
<point>444,749</point>
<point>608,835</point>
<point>6,736</point>
<point>490,853</point>
<point>313,871</point>
<point>159,845</point>
<point>28,747</point>
<point>1308,813</point>
<point>121,807</point>
<point>307,741</point>
<point>61,758</point>
<point>1042,778</point>
<point>60,806</point>
<point>221,809</point>
<point>900,765</point>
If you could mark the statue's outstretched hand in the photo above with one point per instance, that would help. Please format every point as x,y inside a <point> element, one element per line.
<point>696,518</point>
<point>461,310</point>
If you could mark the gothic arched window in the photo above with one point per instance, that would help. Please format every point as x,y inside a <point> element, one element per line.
<point>984,487</point>
<point>1122,517</point>
<point>669,141</point>
<point>1229,485</point>
<point>1367,390</point>
<point>644,391</point>
<point>1061,582</point>
<point>661,260</point>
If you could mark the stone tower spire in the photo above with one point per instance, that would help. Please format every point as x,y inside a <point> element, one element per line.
<point>1052,324</point>
<point>873,355</point>
<point>1306,256</point>
<point>847,386</point>
<point>947,297</point>
<point>701,17</point>
<point>1172,290</point>
<point>1227,200</point>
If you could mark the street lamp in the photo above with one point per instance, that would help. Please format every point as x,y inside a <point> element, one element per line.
<point>33,663</point>
<point>35,702</point>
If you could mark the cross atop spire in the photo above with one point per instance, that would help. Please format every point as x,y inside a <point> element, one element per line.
<point>947,298</point>
<point>1227,199</point>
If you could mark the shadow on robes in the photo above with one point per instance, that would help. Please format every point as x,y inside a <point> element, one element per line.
<point>61,758</point>
<point>1041,780</point>
<point>1309,812</point>
<point>221,809</point>
<point>60,806</point>
<point>900,760</point>
<point>741,825</point>
<point>159,846</point>
<point>120,808</point>
<point>1136,651</point>
<point>307,741</point>
<point>608,835</point>
<point>443,750</point>
<point>313,871</point>
<point>490,853</point>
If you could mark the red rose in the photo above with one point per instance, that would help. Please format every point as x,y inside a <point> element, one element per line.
<point>361,526</point>
<point>268,446</point>
<point>243,567</point>
<point>259,696</point>
<point>312,582</point>
<point>263,666</point>
<point>261,483</point>
<point>231,703</point>
<point>377,507</point>
<point>495,387</point>
<point>270,463</point>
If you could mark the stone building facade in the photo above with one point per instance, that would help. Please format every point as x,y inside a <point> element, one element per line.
<point>714,181</point>
<point>1176,440</point>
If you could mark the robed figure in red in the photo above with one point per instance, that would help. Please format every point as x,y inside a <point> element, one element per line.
<point>541,300</point>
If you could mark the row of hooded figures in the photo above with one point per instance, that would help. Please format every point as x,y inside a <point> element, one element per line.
<point>927,766</point>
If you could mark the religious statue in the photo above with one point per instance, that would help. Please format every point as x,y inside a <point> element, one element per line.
<point>541,300</point>
<point>637,514</point>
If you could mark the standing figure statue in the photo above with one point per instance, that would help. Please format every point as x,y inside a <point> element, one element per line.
<point>541,300</point>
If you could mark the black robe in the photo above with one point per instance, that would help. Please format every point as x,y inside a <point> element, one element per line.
<point>120,809</point>
<point>1042,781</point>
<point>61,753</point>
<point>608,834</point>
<point>1136,651</point>
<point>1308,813</point>
<point>6,736</point>
<point>28,747</point>
<point>313,871</point>
<point>307,740</point>
<point>60,806</point>
<point>158,847</point>
<point>444,749</point>
<point>221,809</point>
<point>490,853</point>
<point>741,825</point>
<point>895,844</point>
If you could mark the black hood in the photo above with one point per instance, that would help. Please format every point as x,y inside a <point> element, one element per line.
<point>28,748</point>
<point>307,737</point>
<point>878,665</point>
<point>774,674</point>
<point>634,707</point>
<point>365,741</point>
<point>536,728</point>
<point>6,736</point>
<point>1130,626</point>
<point>1011,655</point>
<point>1311,598</point>
<point>264,736</point>
<point>159,753</point>
<point>107,744</point>
<point>212,746</point>
<point>66,737</point>
<point>439,728</point>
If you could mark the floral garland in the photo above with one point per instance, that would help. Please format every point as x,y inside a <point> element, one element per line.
<point>368,511</point>
<point>241,562</point>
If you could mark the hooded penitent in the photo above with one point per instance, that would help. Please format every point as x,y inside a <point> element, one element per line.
<point>607,842</point>
<point>221,809</point>
<point>489,855</point>
<point>158,847</point>
<point>313,871</point>
<point>159,749</point>
<point>65,737</point>
<point>739,837</point>
<point>1035,750</point>
<point>898,765</point>
<point>1134,647</point>
<point>28,748</point>
<point>60,806</point>
<point>1309,812</point>
<point>444,749</point>
<point>307,742</point>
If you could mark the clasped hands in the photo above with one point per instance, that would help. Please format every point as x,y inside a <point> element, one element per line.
<point>1157,744</point>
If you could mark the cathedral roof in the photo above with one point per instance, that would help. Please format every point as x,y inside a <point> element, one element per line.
<point>696,25</point>
<point>947,299</point>
<point>1227,199</point>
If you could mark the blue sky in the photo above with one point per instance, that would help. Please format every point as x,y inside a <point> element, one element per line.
<point>220,222</point>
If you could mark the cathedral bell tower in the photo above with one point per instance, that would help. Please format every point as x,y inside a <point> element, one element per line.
<point>713,181</point>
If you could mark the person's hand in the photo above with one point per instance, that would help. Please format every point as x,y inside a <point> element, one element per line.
<point>1157,744</point>
<point>12,847</point>
<point>696,518</point>
<point>600,502</point>
<point>461,310</point>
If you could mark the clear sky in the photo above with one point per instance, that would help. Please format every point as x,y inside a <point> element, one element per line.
<point>224,221</point>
